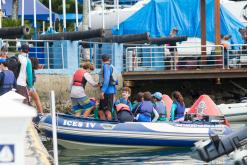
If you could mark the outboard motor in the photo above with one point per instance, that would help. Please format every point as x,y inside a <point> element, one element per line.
<point>215,147</point>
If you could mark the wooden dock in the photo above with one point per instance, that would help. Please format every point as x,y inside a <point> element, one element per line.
<point>185,74</point>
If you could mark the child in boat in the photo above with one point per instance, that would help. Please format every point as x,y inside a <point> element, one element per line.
<point>159,106</point>
<point>137,103</point>
<point>126,92</point>
<point>178,106</point>
<point>123,106</point>
<point>147,109</point>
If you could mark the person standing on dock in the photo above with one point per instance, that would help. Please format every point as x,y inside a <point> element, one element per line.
<point>7,77</point>
<point>80,101</point>
<point>108,90</point>
<point>33,92</point>
<point>225,41</point>
<point>173,50</point>
<point>4,52</point>
<point>25,75</point>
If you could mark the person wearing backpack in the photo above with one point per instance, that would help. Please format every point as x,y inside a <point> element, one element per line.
<point>7,78</point>
<point>24,78</point>
<point>108,90</point>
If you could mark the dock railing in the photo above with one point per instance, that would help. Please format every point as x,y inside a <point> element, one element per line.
<point>236,56</point>
<point>53,56</point>
<point>158,58</point>
<point>50,53</point>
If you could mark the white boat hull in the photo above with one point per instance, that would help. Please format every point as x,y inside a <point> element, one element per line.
<point>234,112</point>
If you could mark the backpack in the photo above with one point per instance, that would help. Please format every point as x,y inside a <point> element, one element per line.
<point>2,78</point>
<point>14,65</point>
<point>114,76</point>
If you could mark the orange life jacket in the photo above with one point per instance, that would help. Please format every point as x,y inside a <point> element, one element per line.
<point>122,106</point>
<point>78,78</point>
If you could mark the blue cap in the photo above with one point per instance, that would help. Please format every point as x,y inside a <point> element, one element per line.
<point>157,95</point>
<point>2,60</point>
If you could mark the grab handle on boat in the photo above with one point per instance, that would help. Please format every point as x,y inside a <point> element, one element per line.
<point>54,128</point>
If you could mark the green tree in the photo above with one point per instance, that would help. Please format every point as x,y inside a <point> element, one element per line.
<point>15,10</point>
<point>57,6</point>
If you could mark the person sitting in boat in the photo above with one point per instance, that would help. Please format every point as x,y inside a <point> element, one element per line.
<point>80,101</point>
<point>126,92</point>
<point>7,77</point>
<point>137,103</point>
<point>159,106</point>
<point>124,113</point>
<point>147,109</point>
<point>178,106</point>
<point>123,106</point>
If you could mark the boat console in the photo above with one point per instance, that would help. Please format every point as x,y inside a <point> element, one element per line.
<point>205,119</point>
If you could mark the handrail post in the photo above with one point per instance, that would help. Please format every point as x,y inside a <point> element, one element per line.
<point>54,128</point>
<point>62,52</point>
<point>228,60</point>
<point>48,55</point>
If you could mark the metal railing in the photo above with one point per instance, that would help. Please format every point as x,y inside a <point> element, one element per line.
<point>236,56</point>
<point>140,57</point>
<point>95,52</point>
<point>157,58</point>
<point>49,53</point>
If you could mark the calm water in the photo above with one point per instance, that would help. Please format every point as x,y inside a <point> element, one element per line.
<point>129,157</point>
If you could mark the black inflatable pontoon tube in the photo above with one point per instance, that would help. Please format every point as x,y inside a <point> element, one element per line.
<point>131,38</point>
<point>80,35</point>
<point>14,32</point>
<point>167,40</point>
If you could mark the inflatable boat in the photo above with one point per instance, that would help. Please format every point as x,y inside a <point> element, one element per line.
<point>72,132</point>
<point>236,112</point>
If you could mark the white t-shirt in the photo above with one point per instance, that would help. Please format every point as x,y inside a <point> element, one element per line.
<point>22,78</point>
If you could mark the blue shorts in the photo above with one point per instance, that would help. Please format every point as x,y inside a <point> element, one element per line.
<point>82,104</point>
<point>143,118</point>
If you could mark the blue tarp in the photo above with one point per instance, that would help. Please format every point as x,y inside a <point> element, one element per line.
<point>42,10</point>
<point>159,16</point>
